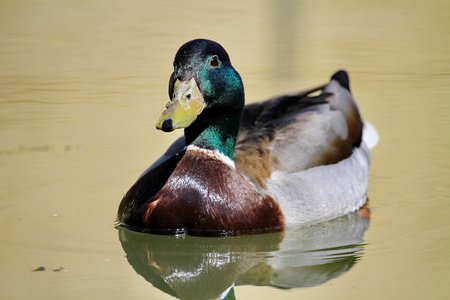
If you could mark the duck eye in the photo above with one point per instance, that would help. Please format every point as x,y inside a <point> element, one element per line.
<point>214,62</point>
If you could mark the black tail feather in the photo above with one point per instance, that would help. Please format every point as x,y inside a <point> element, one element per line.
<point>342,77</point>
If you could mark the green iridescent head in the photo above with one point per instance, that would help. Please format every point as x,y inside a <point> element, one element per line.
<point>203,88</point>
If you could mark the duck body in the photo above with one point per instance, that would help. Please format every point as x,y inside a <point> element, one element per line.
<point>299,158</point>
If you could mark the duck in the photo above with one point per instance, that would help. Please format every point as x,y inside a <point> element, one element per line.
<point>291,160</point>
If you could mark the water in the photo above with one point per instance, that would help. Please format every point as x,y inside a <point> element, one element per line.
<point>83,83</point>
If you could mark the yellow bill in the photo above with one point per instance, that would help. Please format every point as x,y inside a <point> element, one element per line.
<point>187,103</point>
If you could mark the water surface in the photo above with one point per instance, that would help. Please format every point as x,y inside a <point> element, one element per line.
<point>83,83</point>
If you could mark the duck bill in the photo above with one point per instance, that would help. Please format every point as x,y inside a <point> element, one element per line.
<point>187,103</point>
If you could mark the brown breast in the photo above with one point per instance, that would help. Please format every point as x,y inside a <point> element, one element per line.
<point>206,196</point>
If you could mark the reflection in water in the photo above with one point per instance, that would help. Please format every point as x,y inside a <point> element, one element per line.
<point>190,267</point>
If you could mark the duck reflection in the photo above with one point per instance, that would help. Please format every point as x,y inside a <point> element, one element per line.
<point>189,267</point>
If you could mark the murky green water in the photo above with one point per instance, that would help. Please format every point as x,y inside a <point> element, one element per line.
<point>83,83</point>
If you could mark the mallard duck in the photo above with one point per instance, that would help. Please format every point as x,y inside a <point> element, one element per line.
<point>298,158</point>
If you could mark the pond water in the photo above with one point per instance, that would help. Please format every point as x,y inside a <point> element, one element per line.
<point>83,83</point>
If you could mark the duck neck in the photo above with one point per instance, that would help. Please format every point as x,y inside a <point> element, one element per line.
<point>219,135</point>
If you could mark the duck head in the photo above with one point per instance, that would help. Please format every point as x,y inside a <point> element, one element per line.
<point>204,89</point>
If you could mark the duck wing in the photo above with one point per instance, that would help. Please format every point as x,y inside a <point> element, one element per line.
<point>298,131</point>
